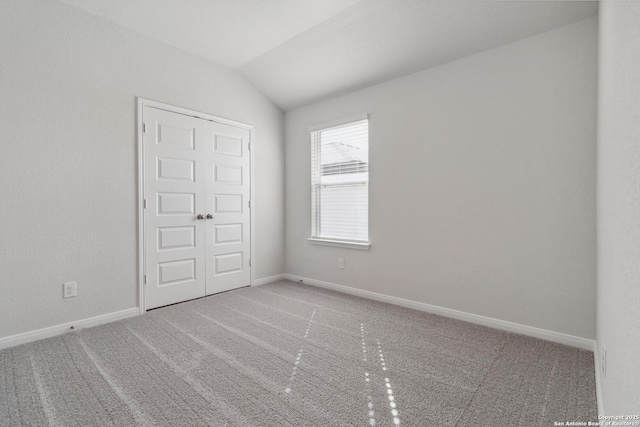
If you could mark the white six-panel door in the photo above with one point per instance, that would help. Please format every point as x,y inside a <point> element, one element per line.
<point>196,215</point>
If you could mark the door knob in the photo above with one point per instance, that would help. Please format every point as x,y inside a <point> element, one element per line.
<point>200,216</point>
<point>209,216</point>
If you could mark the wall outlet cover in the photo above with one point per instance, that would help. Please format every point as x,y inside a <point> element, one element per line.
<point>69,289</point>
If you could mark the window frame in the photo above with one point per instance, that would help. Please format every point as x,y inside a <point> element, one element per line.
<point>325,240</point>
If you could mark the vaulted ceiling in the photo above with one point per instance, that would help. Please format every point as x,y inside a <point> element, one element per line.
<point>300,51</point>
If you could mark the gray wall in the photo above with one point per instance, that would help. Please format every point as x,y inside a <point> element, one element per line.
<point>68,163</point>
<point>482,177</point>
<point>618,298</point>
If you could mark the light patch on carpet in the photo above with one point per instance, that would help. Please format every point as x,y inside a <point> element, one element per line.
<point>250,338</point>
<point>200,387</point>
<point>367,380</point>
<point>392,400</point>
<point>47,406</point>
<point>139,416</point>
<point>289,314</point>
<point>299,356</point>
<point>548,392</point>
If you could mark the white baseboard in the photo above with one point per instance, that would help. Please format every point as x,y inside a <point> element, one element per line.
<point>52,331</point>
<point>269,279</point>
<point>558,337</point>
<point>596,363</point>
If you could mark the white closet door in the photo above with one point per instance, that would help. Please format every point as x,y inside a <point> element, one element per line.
<point>174,182</point>
<point>197,219</point>
<point>228,201</point>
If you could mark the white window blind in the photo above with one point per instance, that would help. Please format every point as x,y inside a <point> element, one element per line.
<point>340,181</point>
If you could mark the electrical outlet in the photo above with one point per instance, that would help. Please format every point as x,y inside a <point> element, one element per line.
<point>70,289</point>
<point>603,361</point>
<point>340,262</point>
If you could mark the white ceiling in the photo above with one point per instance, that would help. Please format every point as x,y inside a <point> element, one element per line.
<point>299,51</point>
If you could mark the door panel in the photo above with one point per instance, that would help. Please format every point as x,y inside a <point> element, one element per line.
<point>227,233</point>
<point>176,169</point>
<point>170,238</point>
<point>194,167</point>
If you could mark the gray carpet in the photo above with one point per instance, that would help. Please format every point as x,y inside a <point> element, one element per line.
<point>287,354</point>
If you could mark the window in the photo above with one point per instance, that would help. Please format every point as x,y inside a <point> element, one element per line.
<point>340,183</point>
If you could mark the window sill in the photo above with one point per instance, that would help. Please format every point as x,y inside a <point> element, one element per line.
<point>363,246</point>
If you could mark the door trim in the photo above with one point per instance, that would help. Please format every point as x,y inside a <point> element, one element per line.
<point>142,102</point>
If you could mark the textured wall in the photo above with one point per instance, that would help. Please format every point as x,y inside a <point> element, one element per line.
<point>68,178</point>
<point>482,180</point>
<point>618,298</point>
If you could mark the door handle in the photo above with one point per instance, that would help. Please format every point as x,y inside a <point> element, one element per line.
<point>209,216</point>
<point>200,216</point>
